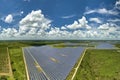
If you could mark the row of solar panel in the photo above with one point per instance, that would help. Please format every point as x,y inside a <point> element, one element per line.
<point>34,73</point>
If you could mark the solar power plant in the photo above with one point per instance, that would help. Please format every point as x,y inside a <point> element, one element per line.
<point>54,63</point>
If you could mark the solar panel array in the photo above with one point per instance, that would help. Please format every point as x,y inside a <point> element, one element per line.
<point>56,63</point>
<point>34,73</point>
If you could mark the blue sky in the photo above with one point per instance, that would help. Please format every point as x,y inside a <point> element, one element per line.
<point>59,19</point>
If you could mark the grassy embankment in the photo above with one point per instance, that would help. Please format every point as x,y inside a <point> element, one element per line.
<point>78,44</point>
<point>5,67</point>
<point>100,65</point>
<point>17,63</point>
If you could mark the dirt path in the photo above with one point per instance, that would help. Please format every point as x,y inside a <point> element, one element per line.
<point>10,67</point>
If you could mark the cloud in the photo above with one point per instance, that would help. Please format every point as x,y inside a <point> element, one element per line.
<point>97,20</point>
<point>75,25</point>
<point>67,17</point>
<point>9,32</point>
<point>26,0</point>
<point>102,11</point>
<point>22,12</point>
<point>0,28</point>
<point>8,19</point>
<point>104,26</point>
<point>109,30</point>
<point>18,13</point>
<point>63,28</point>
<point>113,20</point>
<point>81,23</point>
<point>117,4</point>
<point>34,22</point>
<point>57,33</point>
<point>36,26</point>
<point>109,27</point>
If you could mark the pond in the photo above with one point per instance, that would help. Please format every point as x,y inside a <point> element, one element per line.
<point>105,46</point>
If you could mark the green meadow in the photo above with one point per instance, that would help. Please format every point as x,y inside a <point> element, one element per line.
<point>100,64</point>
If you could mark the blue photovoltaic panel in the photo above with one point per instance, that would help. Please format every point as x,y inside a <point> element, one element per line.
<point>55,62</point>
<point>34,73</point>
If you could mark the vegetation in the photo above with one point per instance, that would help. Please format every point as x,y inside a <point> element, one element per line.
<point>4,78</point>
<point>79,44</point>
<point>99,65</point>
<point>117,45</point>
<point>70,75</point>
<point>4,61</point>
<point>5,66</point>
<point>17,63</point>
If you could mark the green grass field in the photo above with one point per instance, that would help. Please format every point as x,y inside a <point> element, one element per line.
<point>117,45</point>
<point>4,61</point>
<point>17,63</point>
<point>99,65</point>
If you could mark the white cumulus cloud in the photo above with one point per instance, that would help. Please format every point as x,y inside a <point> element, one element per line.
<point>34,22</point>
<point>81,23</point>
<point>9,18</point>
<point>117,4</point>
<point>63,28</point>
<point>109,27</point>
<point>104,26</point>
<point>9,32</point>
<point>36,26</point>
